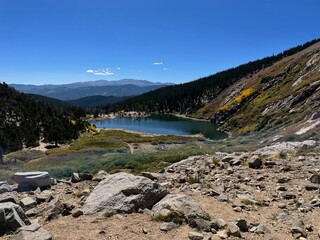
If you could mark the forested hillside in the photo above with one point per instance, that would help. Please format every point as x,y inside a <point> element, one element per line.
<point>24,121</point>
<point>283,98</point>
<point>187,98</point>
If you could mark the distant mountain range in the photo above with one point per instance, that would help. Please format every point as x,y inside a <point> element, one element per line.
<point>72,91</point>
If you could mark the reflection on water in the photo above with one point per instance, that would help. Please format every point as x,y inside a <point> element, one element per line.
<point>163,124</point>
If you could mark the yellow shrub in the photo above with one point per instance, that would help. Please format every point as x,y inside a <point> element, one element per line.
<point>92,128</point>
<point>238,99</point>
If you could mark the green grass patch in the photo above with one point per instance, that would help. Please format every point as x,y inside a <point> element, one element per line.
<point>24,155</point>
<point>108,214</point>
<point>175,217</point>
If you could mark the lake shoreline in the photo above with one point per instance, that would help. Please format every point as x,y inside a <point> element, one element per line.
<point>190,118</point>
<point>145,134</point>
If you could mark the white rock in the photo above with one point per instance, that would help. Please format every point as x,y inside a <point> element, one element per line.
<point>32,179</point>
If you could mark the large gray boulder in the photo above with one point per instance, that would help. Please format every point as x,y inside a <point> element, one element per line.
<point>12,217</point>
<point>32,179</point>
<point>32,232</point>
<point>181,204</point>
<point>123,192</point>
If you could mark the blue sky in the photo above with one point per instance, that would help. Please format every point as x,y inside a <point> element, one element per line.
<point>64,41</point>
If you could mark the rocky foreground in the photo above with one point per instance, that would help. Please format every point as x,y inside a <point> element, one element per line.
<point>272,193</point>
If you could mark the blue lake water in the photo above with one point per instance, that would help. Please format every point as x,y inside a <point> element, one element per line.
<point>163,124</point>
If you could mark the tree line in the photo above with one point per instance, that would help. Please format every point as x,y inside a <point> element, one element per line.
<point>24,121</point>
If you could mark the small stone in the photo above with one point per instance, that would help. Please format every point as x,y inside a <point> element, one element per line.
<point>223,198</point>
<point>221,223</point>
<point>284,180</point>
<point>242,224</point>
<point>45,196</point>
<point>315,178</point>
<point>195,236</point>
<point>262,229</point>
<point>33,212</point>
<point>283,216</point>
<point>311,188</point>
<point>222,234</point>
<point>230,170</point>
<point>4,187</point>
<point>237,209</point>
<point>281,188</point>
<point>227,159</point>
<point>298,223</point>
<point>200,223</point>
<point>233,230</point>
<point>270,164</point>
<point>289,196</point>
<point>235,162</point>
<point>85,176</point>
<point>255,162</point>
<point>282,205</point>
<point>145,231</point>
<point>85,192</point>
<point>168,226</point>
<point>309,228</point>
<point>260,178</point>
<point>77,213</point>
<point>75,177</point>
<point>214,231</point>
<point>28,203</point>
<point>298,232</point>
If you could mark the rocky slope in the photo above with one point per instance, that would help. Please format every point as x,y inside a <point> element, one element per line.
<point>271,193</point>
<point>283,97</point>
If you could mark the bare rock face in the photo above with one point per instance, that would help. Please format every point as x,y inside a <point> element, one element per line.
<point>32,179</point>
<point>12,217</point>
<point>123,193</point>
<point>179,203</point>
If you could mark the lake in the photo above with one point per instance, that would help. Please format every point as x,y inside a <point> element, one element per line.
<point>163,124</point>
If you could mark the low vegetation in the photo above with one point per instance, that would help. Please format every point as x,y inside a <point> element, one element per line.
<point>108,150</point>
<point>175,217</point>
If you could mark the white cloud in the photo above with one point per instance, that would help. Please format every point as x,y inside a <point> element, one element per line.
<point>157,63</point>
<point>118,68</point>
<point>101,72</point>
<point>166,69</point>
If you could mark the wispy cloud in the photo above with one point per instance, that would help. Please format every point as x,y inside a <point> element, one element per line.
<point>101,72</point>
<point>166,69</point>
<point>118,68</point>
<point>157,63</point>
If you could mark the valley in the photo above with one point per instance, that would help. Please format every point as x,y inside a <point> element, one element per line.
<point>248,169</point>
